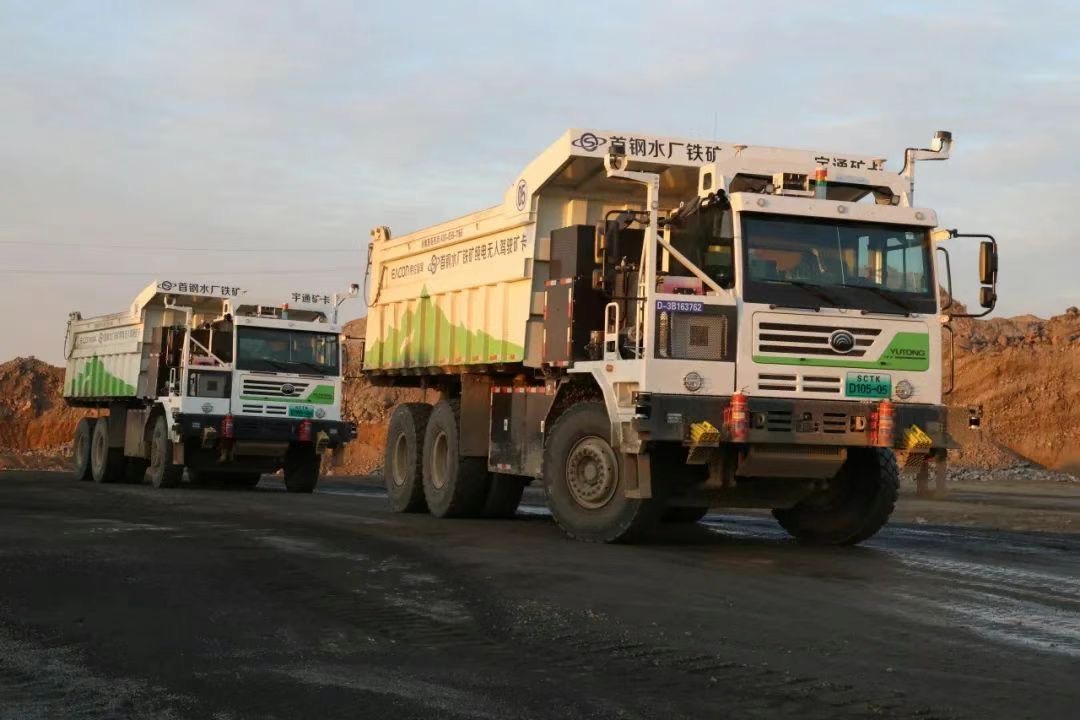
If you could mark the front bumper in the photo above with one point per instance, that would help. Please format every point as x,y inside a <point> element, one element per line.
<point>268,430</point>
<point>667,418</point>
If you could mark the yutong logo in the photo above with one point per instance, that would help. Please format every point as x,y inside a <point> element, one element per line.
<point>842,341</point>
<point>912,353</point>
<point>287,389</point>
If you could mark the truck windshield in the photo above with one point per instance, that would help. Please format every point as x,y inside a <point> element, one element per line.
<point>810,262</point>
<point>294,351</point>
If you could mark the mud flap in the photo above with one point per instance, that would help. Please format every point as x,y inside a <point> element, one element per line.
<point>336,456</point>
<point>636,472</point>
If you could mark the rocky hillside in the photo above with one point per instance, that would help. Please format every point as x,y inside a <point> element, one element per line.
<point>32,415</point>
<point>1022,371</point>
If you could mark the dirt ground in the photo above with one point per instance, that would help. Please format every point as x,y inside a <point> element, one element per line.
<point>123,601</point>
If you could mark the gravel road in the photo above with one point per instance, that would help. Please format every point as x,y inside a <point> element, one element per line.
<point>126,602</point>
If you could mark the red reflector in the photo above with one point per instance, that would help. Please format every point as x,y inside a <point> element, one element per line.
<point>303,433</point>
<point>227,427</point>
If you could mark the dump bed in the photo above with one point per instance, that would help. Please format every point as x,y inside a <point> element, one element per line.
<point>108,355</point>
<point>103,357</point>
<point>469,292</point>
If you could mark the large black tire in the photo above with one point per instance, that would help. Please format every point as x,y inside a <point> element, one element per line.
<point>454,486</point>
<point>80,449</point>
<point>162,472</point>
<point>684,514</point>
<point>858,503</point>
<point>135,471</point>
<point>504,495</point>
<point>302,466</point>
<point>403,470</point>
<point>107,465</point>
<point>585,489</point>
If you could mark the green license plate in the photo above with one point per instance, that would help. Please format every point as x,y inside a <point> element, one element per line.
<point>301,411</point>
<point>868,385</point>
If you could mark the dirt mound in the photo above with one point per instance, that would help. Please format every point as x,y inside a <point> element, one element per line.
<point>32,414</point>
<point>1022,371</point>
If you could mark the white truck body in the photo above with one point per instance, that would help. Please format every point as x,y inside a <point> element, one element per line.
<point>199,354</point>
<point>808,304</point>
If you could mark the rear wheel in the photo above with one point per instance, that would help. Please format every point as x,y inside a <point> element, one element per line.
<point>106,463</point>
<point>857,504</point>
<point>302,465</point>
<point>454,486</point>
<point>163,473</point>
<point>135,472</point>
<point>80,450</point>
<point>585,489</point>
<point>504,495</point>
<point>403,467</point>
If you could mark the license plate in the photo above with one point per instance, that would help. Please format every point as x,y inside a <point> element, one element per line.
<point>301,411</point>
<point>868,385</point>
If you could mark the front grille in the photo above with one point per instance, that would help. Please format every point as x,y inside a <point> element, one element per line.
<point>812,382</point>
<point>777,382</point>
<point>799,339</point>
<point>821,383</point>
<point>272,388</point>
<point>254,409</point>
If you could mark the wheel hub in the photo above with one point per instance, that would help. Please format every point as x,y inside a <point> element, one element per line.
<point>591,473</point>
<point>400,460</point>
<point>440,461</point>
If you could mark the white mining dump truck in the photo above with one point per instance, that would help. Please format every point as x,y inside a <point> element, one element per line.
<point>202,376</point>
<point>654,326</point>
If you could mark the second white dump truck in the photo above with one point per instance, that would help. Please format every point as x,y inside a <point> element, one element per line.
<point>205,377</point>
<point>654,326</point>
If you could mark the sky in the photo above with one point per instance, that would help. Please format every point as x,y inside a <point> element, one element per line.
<point>259,142</point>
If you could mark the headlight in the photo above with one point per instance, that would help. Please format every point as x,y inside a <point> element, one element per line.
<point>904,389</point>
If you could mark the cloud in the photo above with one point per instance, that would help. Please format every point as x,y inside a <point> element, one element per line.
<point>245,123</point>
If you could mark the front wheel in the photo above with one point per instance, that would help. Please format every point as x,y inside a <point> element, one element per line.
<point>585,489</point>
<point>163,473</point>
<point>688,515</point>
<point>856,505</point>
<point>302,465</point>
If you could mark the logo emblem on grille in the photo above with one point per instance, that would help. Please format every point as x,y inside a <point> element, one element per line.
<point>693,381</point>
<point>842,341</point>
<point>287,389</point>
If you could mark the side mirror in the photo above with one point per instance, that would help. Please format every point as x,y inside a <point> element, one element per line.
<point>987,297</point>
<point>988,262</point>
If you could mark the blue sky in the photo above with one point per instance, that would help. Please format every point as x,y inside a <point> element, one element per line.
<point>133,131</point>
